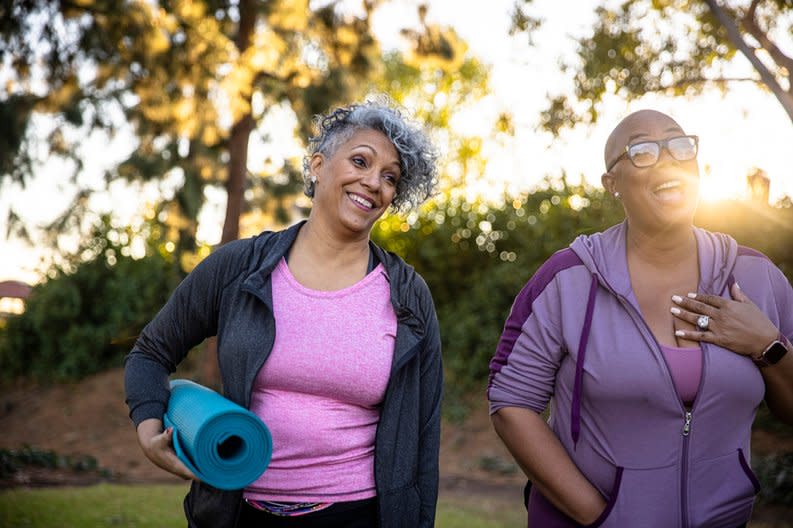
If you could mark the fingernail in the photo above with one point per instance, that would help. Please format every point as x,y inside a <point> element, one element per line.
<point>692,295</point>
<point>680,333</point>
<point>677,298</point>
<point>737,285</point>
<point>675,310</point>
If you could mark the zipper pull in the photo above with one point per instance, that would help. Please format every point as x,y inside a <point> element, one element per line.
<point>687,424</point>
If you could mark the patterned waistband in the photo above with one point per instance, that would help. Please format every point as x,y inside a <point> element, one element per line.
<point>288,509</point>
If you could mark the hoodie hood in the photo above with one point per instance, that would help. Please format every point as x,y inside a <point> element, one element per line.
<point>604,255</point>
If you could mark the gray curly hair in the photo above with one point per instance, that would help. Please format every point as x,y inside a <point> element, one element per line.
<point>417,155</point>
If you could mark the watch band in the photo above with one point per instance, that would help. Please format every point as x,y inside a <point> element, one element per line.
<point>774,352</point>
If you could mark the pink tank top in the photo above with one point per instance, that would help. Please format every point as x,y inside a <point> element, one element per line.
<point>319,392</point>
<point>685,365</point>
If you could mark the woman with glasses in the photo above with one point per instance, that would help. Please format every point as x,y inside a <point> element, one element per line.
<point>332,341</point>
<point>652,357</point>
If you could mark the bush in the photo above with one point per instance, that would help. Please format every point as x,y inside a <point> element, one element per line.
<point>85,316</point>
<point>12,460</point>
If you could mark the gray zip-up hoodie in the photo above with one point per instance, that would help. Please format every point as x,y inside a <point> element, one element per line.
<point>576,338</point>
<point>229,295</point>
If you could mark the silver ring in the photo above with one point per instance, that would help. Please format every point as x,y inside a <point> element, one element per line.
<point>703,321</point>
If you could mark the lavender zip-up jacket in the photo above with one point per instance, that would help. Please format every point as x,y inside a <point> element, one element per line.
<point>575,338</point>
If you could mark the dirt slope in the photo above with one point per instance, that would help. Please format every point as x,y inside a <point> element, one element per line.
<point>90,418</point>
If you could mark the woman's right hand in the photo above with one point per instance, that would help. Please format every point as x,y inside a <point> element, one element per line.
<point>156,445</point>
<point>544,460</point>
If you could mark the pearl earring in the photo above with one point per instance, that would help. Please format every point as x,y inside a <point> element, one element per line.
<point>314,179</point>
<point>617,195</point>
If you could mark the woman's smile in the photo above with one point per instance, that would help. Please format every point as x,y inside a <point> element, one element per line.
<point>361,201</point>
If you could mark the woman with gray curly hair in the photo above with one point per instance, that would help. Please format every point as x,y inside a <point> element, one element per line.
<point>330,340</point>
<point>413,148</point>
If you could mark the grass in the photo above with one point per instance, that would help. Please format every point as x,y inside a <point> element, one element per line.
<point>108,505</point>
<point>160,506</point>
<point>93,506</point>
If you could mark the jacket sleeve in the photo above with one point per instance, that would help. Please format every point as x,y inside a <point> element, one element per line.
<point>430,411</point>
<point>784,301</point>
<point>530,350</point>
<point>189,316</point>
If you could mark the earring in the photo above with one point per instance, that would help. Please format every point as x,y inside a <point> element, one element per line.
<point>617,195</point>
<point>314,180</point>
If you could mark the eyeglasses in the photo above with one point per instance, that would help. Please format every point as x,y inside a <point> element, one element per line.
<point>647,153</point>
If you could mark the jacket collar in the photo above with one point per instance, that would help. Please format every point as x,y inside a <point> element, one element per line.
<point>270,247</point>
<point>605,254</point>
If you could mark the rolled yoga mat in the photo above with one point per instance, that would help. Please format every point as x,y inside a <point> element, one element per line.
<point>225,445</point>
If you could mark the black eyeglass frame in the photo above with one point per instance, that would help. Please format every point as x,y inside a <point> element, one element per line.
<point>662,144</point>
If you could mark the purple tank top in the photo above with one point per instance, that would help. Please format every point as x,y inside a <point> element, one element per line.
<point>685,365</point>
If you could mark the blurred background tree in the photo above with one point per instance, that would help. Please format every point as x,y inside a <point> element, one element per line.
<point>195,83</point>
<point>191,78</point>
<point>674,47</point>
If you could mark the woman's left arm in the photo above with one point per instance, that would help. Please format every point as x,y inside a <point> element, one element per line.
<point>739,325</point>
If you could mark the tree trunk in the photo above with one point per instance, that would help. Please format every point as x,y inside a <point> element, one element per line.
<point>237,175</point>
<point>235,182</point>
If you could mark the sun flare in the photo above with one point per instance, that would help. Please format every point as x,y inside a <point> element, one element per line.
<point>722,183</point>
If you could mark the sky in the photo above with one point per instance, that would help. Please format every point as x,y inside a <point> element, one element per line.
<point>745,129</point>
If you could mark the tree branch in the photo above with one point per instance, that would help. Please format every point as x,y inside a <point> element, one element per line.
<point>705,80</point>
<point>734,34</point>
<point>85,9</point>
<point>749,22</point>
<point>752,9</point>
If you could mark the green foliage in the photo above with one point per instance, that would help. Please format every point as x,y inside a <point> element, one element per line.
<point>12,460</point>
<point>14,115</point>
<point>84,317</point>
<point>476,258</point>
<point>436,91</point>
<point>675,47</point>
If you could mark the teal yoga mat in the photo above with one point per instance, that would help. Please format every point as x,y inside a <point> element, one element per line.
<point>225,445</point>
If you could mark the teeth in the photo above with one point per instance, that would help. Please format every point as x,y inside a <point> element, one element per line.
<point>362,201</point>
<point>667,185</point>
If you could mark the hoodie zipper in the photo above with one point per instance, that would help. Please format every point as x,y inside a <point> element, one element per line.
<point>684,471</point>
<point>687,414</point>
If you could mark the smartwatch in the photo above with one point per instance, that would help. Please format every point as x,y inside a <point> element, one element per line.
<point>773,352</point>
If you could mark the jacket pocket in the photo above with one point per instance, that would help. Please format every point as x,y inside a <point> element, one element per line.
<point>747,469</point>
<point>542,513</point>
<point>722,490</point>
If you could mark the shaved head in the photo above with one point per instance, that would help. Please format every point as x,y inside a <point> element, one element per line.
<point>633,126</point>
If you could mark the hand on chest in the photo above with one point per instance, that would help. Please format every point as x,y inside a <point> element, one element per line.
<point>653,291</point>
